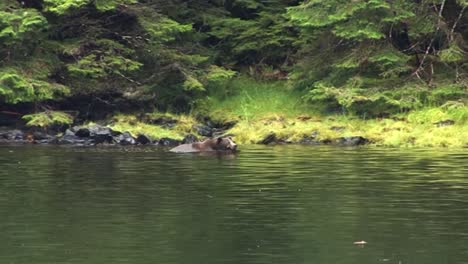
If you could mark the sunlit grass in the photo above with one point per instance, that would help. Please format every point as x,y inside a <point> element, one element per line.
<point>248,99</point>
<point>264,108</point>
<point>385,132</point>
<point>131,124</point>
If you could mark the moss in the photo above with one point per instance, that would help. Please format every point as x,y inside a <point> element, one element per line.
<point>382,132</point>
<point>136,127</point>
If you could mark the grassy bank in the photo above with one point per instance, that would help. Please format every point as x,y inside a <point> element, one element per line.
<point>261,109</point>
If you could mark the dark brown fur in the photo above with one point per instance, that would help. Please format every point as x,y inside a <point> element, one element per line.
<point>212,144</point>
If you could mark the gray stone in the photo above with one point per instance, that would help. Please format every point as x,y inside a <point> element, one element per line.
<point>143,140</point>
<point>270,138</point>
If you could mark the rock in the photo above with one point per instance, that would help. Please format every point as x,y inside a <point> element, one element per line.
<point>164,121</point>
<point>68,139</point>
<point>337,128</point>
<point>443,123</point>
<point>143,140</point>
<point>68,132</point>
<point>217,132</point>
<point>270,138</point>
<point>51,140</point>
<point>38,135</point>
<point>211,124</point>
<point>101,134</point>
<point>168,142</point>
<point>102,138</point>
<point>189,139</point>
<point>352,141</point>
<point>304,118</point>
<point>229,124</point>
<point>12,135</point>
<point>98,129</point>
<point>82,132</point>
<point>125,139</point>
<point>203,130</point>
<point>310,139</point>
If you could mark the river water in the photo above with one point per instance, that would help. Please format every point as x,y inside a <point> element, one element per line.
<point>283,204</point>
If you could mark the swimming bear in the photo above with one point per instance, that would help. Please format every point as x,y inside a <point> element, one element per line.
<point>212,144</point>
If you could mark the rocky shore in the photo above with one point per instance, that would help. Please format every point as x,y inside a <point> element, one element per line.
<point>86,136</point>
<point>98,135</point>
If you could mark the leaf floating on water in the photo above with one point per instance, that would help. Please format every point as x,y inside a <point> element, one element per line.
<point>360,243</point>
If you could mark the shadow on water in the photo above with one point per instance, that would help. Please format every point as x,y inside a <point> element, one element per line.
<point>283,204</point>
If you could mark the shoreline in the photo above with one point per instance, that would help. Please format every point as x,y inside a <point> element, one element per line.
<point>172,130</point>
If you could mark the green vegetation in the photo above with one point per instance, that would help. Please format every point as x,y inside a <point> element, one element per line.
<point>182,126</point>
<point>48,118</point>
<point>261,109</point>
<point>388,70</point>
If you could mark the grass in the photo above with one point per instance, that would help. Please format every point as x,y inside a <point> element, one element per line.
<point>246,99</point>
<point>263,108</point>
<point>383,132</point>
<point>136,127</point>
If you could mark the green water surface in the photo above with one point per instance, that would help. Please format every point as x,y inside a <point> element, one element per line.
<point>284,204</point>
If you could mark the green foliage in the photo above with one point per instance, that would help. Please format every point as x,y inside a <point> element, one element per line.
<point>268,38</point>
<point>385,46</point>
<point>62,6</point>
<point>247,98</point>
<point>48,118</point>
<point>20,25</point>
<point>365,57</point>
<point>106,5</point>
<point>192,84</point>
<point>219,74</point>
<point>452,54</point>
<point>160,29</point>
<point>16,87</point>
<point>107,59</point>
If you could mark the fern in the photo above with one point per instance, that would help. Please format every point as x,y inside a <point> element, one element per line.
<point>452,54</point>
<point>48,118</point>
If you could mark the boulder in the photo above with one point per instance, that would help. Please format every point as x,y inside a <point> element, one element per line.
<point>163,121</point>
<point>125,139</point>
<point>98,129</point>
<point>68,133</point>
<point>168,142</point>
<point>82,132</point>
<point>189,139</point>
<point>143,140</point>
<point>352,141</point>
<point>39,135</point>
<point>268,139</point>
<point>12,135</point>
<point>310,139</point>
<point>51,140</point>
<point>443,123</point>
<point>68,139</point>
<point>203,130</point>
<point>338,128</point>
<point>218,132</point>
<point>101,134</point>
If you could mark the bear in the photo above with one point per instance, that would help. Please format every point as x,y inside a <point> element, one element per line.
<point>212,144</point>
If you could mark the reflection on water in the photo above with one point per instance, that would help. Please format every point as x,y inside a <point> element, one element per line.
<point>285,204</point>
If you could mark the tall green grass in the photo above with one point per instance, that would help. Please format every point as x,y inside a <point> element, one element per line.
<point>247,99</point>
<point>265,107</point>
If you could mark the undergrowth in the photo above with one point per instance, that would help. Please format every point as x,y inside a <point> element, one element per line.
<point>265,108</point>
<point>136,127</point>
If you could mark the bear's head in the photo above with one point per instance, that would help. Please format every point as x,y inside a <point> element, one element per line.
<point>225,143</point>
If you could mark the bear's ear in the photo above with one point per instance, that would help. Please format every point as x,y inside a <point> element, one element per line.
<point>218,140</point>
